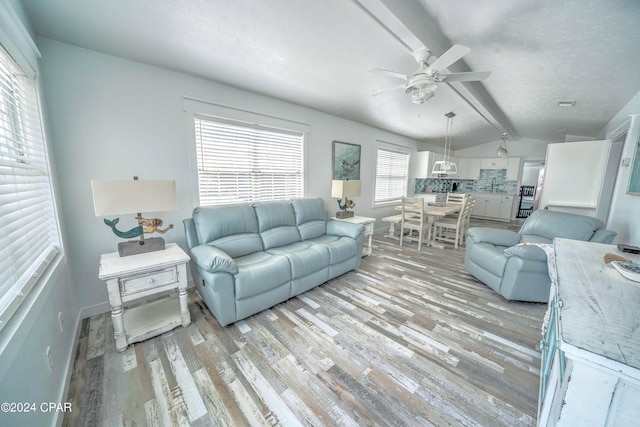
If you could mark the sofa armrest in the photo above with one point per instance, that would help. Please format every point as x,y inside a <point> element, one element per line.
<point>346,229</point>
<point>526,251</point>
<point>213,260</point>
<point>603,236</point>
<point>495,236</point>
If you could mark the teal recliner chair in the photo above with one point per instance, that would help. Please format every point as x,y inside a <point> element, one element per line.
<point>519,272</point>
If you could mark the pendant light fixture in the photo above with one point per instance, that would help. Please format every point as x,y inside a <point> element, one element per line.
<point>445,166</point>
<point>502,150</point>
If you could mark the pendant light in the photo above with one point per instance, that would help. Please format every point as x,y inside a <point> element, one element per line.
<point>445,166</point>
<point>502,150</point>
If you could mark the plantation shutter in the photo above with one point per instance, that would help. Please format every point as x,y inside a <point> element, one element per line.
<point>240,162</point>
<point>28,227</point>
<point>392,169</point>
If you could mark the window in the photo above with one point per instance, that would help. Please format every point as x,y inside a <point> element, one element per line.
<point>242,162</point>
<point>392,170</point>
<point>28,226</point>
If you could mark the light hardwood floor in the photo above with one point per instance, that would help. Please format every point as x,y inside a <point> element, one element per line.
<point>409,338</point>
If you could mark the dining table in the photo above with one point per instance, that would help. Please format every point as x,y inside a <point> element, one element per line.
<point>432,213</point>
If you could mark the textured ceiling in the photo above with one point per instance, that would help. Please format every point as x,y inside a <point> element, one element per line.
<point>319,54</point>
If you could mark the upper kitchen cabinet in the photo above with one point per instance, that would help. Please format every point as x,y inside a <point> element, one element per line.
<point>422,164</point>
<point>513,168</point>
<point>511,164</point>
<point>469,168</point>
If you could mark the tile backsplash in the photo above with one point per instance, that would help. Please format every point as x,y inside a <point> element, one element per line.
<point>489,179</point>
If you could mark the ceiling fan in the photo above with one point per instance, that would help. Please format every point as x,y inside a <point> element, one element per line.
<point>422,83</point>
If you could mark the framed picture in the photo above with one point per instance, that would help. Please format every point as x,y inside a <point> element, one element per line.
<point>634,179</point>
<point>346,161</point>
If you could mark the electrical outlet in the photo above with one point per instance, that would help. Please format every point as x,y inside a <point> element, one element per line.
<point>47,356</point>
<point>60,322</point>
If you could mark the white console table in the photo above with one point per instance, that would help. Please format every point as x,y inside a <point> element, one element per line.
<point>145,275</point>
<point>590,373</point>
<point>368,230</point>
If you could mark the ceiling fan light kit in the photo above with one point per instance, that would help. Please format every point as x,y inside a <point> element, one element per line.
<point>445,166</point>
<point>421,93</point>
<point>422,84</point>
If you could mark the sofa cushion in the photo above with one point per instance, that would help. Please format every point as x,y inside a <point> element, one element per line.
<point>311,217</point>
<point>260,272</point>
<point>489,257</point>
<point>340,248</point>
<point>305,258</point>
<point>232,228</point>
<point>276,224</point>
<point>552,224</point>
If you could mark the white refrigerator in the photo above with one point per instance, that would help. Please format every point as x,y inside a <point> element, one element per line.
<point>579,177</point>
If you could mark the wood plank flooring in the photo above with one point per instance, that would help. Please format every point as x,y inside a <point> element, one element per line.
<point>409,338</point>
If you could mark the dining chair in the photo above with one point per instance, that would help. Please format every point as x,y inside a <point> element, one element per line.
<point>413,219</point>
<point>457,198</point>
<point>453,230</point>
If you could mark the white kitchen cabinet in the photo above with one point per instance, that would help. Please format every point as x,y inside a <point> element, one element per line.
<point>506,207</point>
<point>493,163</point>
<point>468,168</point>
<point>485,205</point>
<point>422,164</point>
<point>493,206</point>
<point>513,168</point>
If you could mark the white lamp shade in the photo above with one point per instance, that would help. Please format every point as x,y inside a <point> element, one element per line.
<point>340,189</point>
<point>133,196</point>
<point>445,168</point>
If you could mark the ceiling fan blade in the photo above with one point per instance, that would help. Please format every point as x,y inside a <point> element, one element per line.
<point>465,77</point>
<point>388,90</point>
<point>390,73</point>
<point>449,57</point>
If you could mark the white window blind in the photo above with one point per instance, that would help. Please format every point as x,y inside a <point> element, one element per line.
<point>392,169</point>
<point>241,162</point>
<point>28,227</point>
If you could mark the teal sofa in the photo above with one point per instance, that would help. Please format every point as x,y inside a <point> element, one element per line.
<point>519,272</point>
<point>247,258</point>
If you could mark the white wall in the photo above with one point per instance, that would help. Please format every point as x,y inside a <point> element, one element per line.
<point>24,374</point>
<point>113,118</point>
<point>625,210</point>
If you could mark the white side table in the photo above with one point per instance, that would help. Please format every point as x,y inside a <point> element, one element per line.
<point>368,230</point>
<point>139,276</point>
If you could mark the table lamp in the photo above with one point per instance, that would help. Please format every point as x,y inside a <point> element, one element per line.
<point>345,189</point>
<point>135,196</point>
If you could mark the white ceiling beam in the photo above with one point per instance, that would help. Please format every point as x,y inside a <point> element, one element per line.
<point>413,27</point>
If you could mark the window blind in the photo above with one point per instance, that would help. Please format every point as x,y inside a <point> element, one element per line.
<point>392,169</point>
<point>241,162</point>
<point>28,228</point>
